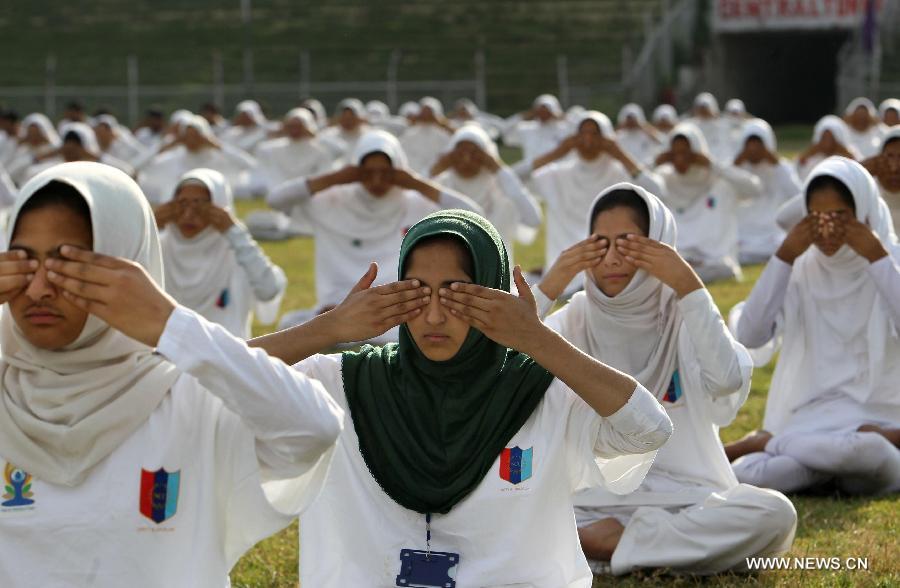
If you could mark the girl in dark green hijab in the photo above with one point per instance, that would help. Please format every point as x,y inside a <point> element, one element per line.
<point>480,416</point>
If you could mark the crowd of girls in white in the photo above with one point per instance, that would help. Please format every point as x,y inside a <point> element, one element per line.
<point>496,427</point>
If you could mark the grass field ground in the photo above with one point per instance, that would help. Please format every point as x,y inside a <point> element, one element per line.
<point>829,526</point>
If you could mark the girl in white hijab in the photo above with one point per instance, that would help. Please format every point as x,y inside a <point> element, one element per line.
<point>536,131</point>
<point>196,147</point>
<point>249,127</point>
<point>864,126</point>
<point>644,311</point>
<point>636,136</point>
<point>79,143</point>
<point>298,153</point>
<point>831,294</point>
<point>39,137</point>
<point>885,167</point>
<point>117,141</point>
<point>472,166</point>
<point>707,118</point>
<point>212,264</point>
<point>733,122</point>
<point>831,136</point>
<point>424,141</point>
<point>569,182</point>
<point>702,194</point>
<point>350,125</point>
<point>758,232</point>
<point>665,117</point>
<point>889,113</point>
<point>379,115</point>
<point>360,214</point>
<point>124,417</point>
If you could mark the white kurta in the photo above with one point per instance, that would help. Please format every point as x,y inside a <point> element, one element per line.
<point>506,534</point>
<point>691,490</point>
<point>707,222</point>
<point>423,144</point>
<point>504,199</point>
<point>255,287</point>
<point>227,428</point>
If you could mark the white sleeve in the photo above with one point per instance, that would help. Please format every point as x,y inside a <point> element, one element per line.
<point>756,326</point>
<point>529,210</point>
<point>266,279</point>
<point>511,131</point>
<point>286,195</point>
<point>452,199</point>
<point>239,158</point>
<point>544,304</point>
<point>791,212</point>
<point>292,418</point>
<point>720,370</point>
<point>742,181</point>
<point>651,181</point>
<point>640,426</point>
<point>886,276</point>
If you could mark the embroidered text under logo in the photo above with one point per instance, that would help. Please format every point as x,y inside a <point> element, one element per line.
<point>159,494</point>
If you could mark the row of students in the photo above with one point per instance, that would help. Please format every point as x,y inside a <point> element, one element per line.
<point>462,331</point>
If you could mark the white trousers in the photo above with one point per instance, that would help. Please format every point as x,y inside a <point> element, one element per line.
<point>713,536</point>
<point>860,463</point>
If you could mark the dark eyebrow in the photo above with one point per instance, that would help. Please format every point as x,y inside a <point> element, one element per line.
<point>444,284</point>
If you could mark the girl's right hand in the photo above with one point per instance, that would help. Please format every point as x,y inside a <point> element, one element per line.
<point>16,272</point>
<point>577,258</point>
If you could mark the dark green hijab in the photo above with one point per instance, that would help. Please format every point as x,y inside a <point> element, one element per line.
<point>429,431</point>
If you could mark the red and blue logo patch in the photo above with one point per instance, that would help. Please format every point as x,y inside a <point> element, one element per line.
<point>673,393</point>
<point>159,494</point>
<point>515,464</point>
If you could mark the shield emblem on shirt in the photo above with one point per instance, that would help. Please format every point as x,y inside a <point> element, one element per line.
<point>515,464</point>
<point>159,494</point>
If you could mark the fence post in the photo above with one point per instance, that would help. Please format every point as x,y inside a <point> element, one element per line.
<point>133,89</point>
<point>305,66</point>
<point>247,19</point>
<point>50,86</point>
<point>218,96</point>
<point>480,80</point>
<point>392,73</point>
<point>562,79</point>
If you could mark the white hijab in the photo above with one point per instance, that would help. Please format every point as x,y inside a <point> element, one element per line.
<point>635,331</point>
<point>199,269</point>
<point>63,412</point>
<point>85,134</point>
<point>889,104</point>
<point>634,110</point>
<point>665,112</point>
<point>43,123</point>
<point>551,102</point>
<point>833,303</point>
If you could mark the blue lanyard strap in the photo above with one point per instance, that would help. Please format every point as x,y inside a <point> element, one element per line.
<point>428,536</point>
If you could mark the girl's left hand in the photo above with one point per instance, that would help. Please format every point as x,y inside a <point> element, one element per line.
<point>117,291</point>
<point>862,239</point>
<point>220,219</point>
<point>660,261</point>
<point>507,319</point>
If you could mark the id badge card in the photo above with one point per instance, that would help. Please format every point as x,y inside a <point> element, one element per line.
<point>422,569</point>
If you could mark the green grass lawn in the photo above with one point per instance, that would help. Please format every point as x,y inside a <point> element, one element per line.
<point>828,526</point>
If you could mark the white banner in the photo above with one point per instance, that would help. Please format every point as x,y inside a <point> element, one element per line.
<point>767,15</point>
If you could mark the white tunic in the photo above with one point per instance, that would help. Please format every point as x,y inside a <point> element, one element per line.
<point>506,534</point>
<point>95,534</point>
<point>759,235</point>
